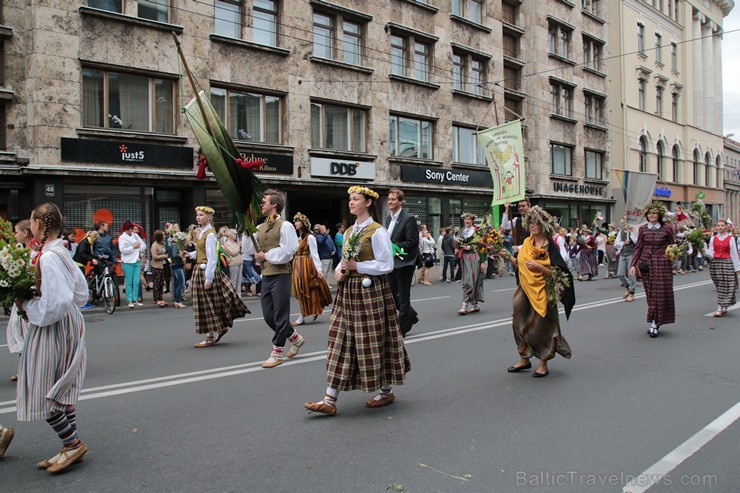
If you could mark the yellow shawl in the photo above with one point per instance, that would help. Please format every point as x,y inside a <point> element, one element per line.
<point>533,283</point>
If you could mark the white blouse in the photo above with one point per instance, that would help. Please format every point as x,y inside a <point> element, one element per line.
<point>313,249</point>
<point>382,250</point>
<point>285,252</point>
<point>211,257</point>
<point>62,286</point>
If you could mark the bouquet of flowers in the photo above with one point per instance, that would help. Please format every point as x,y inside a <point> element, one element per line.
<point>556,284</point>
<point>180,239</point>
<point>352,246</point>
<point>17,279</point>
<point>489,241</point>
<point>676,250</point>
<point>611,238</point>
<point>698,239</point>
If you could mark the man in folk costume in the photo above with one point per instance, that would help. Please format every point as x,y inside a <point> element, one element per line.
<point>518,230</point>
<point>403,231</point>
<point>215,303</point>
<point>278,243</point>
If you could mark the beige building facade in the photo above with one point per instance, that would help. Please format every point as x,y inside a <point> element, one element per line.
<point>666,102</point>
<point>731,159</point>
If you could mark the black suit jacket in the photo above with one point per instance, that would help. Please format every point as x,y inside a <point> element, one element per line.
<point>406,235</point>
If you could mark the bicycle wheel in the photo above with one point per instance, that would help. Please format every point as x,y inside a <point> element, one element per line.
<point>116,290</point>
<point>109,299</point>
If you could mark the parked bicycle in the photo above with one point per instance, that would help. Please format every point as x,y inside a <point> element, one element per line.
<point>102,285</point>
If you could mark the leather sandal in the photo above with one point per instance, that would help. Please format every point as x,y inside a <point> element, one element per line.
<point>463,311</point>
<point>67,457</point>
<point>6,436</point>
<point>383,401</point>
<point>321,407</point>
<point>719,313</point>
<point>207,343</point>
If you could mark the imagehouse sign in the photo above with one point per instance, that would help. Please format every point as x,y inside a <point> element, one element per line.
<point>342,168</point>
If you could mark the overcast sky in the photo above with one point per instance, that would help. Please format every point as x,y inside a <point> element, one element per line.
<point>731,72</point>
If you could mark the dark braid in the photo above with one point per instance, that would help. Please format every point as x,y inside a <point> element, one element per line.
<point>53,221</point>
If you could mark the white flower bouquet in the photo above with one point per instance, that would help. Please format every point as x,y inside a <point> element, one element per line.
<point>17,279</point>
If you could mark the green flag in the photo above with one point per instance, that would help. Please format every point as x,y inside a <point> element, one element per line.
<point>504,153</point>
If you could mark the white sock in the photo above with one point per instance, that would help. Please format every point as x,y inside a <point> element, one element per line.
<point>385,391</point>
<point>331,396</point>
<point>299,320</point>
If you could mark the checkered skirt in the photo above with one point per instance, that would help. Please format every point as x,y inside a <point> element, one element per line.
<point>366,349</point>
<point>215,308</point>
<point>722,272</point>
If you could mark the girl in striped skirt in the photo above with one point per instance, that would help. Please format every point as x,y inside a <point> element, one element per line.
<point>724,265</point>
<point>309,286</point>
<point>52,366</point>
<point>473,265</point>
<point>366,350</point>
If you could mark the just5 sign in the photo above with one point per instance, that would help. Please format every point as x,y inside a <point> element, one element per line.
<point>342,168</point>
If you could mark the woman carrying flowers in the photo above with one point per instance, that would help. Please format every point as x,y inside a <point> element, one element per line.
<point>309,286</point>
<point>724,266</point>
<point>366,349</point>
<point>649,262</point>
<point>473,264</point>
<point>544,279</point>
<point>588,254</point>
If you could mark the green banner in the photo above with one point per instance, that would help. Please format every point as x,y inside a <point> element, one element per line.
<point>504,153</point>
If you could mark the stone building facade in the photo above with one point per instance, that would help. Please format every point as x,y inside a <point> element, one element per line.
<point>731,160</point>
<point>666,102</point>
<point>327,94</point>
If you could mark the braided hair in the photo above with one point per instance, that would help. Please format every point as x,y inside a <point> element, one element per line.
<point>52,217</point>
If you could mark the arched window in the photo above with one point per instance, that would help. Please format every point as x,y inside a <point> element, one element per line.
<point>708,169</point>
<point>643,154</point>
<point>719,171</point>
<point>660,161</point>
<point>697,172</point>
<point>675,164</point>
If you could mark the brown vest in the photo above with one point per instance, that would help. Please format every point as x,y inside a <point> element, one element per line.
<point>268,236</point>
<point>201,257</point>
<point>366,240</point>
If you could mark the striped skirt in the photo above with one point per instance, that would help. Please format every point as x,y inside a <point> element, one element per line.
<point>52,368</point>
<point>589,262</point>
<point>536,335</point>
<point>472,278</point>
<point>366,349</point>
<point>312,292</point>
<point>216,308</point>
<point>722,272</point>
<point>658,284</point>
<point>16,331</point>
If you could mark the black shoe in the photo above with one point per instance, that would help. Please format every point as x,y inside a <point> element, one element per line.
<point>517,369</point>
<point>540,375</point>
<point>652,332</point>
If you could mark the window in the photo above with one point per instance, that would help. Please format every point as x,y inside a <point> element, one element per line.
<point>264,22</point>
<point>337,127</point>
<point>465,146</point>
<point>561,159</point>
<point>110,5</point>
<point>469,9</point>
<point>641,39</point>
<point>674,107</point>
<point>509,12</point>
<point>323,38</point>
<point>594,109</point>
<point>352,42</point>
<point>559,39</point>
<point>409,137</point>
<point>708,170</point>
<point>561,98</point>
<point>512,78</point>
<point>411,57</point>
<point>511,45</point>
<point>512,109</point>
<point>676,10</point>
<point>594,164</point>
<point>658,49</point>
<point>641,86</point>
<point>337,38</point>
<point>675,163</point>
<point>128,102</point>
<point>592,51</point>
<point>697,171</point>
<point>591,6</point>
<point>659,161</point>
<point>659,100</point>
<point>228,18</point>
<point>468,73</point>
<point>155,10</point>
<point>642,150</point>
<point>249,116</point>
<point>719,183</point>
<point>674,57</point>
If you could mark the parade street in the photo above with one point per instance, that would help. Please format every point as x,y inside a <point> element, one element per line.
<point>159,415</point>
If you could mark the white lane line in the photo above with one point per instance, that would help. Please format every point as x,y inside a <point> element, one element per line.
<point>172,380</point>
<point>655,473</point>
<point>3,345</point>
<point>729,309</point>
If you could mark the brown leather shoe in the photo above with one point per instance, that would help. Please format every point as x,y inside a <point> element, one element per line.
<point>321,407</point>
<point>67,458</point>
<point>207,343</point>
<point>6,436</point>
<point>383,401</point>
<point>46,464</point>
<point>719,313</point>
<point>294,347</point>
<point>14,378</point>
<point>273,361</point>
<point>221,333</point>
<point>629,298</point>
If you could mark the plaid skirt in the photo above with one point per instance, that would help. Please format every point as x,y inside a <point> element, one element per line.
<point>215,309</point>
<point>366,349</point>
<point>536,335</point>
<point>722,272</point>
<point>658,285</point>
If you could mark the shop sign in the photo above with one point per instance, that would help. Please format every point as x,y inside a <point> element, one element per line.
<point>442,176</point>
<point>342,168</point>
<point>662,192</point>
<point>281,164</point>
<point>578,189</point>
<point>126,152</point>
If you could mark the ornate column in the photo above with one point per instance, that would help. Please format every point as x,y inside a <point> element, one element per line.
<point>709,70</point>
<point>718,100</point>
<point>698,75</point>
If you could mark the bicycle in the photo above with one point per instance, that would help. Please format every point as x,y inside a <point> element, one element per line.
<point>103,286</point>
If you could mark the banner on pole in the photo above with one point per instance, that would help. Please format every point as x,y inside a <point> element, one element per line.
<point>636,190</point>
<point>504,151</point>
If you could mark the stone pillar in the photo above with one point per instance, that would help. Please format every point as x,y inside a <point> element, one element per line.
<point>708,69</point>
<point>718,101</point>
<point>698,70</point>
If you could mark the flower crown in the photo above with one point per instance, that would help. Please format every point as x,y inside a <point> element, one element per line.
<point>657,207</point>
<point>302,218</point>
<point>468,214</point>
<point>205,208</point>
<point>363,190</point>
<point>539,216</point>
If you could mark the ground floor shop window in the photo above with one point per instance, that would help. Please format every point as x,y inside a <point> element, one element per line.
<point>84,206</point>
<point>573,215</point>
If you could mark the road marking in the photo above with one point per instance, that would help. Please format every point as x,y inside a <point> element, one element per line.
<point>729,309</point>
<point>3,345</point>
<point>197,376</point>
<point>655,473</point>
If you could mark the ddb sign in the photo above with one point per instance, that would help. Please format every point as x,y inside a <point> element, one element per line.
<point>342,169</point>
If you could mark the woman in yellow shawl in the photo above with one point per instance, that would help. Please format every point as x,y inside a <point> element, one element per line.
<point>544,279</point>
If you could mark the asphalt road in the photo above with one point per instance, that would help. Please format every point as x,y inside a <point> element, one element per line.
<point>159,415</point>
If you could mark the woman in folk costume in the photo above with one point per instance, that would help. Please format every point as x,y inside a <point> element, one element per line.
<point>366,349</point>
<point>544,279</point>
<point>53,360</point>
<point>215,303</point>
<point>473,265</point>
<point>309,286</point>
<point>589,255</point>
<point>651,264</point>
<point>724,266</point>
